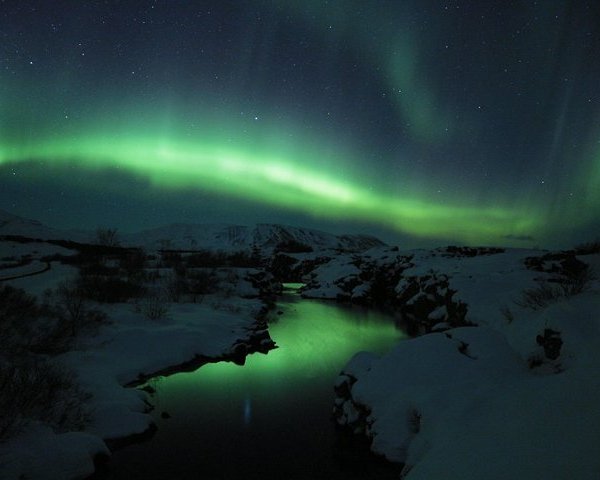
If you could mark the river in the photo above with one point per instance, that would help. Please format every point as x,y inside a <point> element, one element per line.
<point>271,418</point>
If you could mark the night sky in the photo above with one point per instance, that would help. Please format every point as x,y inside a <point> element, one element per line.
<point>420,121</point>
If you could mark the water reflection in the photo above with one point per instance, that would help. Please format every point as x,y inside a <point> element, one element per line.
<point>314,339</point>
<point>271,417</point>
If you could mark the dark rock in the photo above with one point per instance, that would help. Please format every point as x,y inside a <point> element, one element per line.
<point>551,343</point>
<point>281,268</point>
<point>148,389</point>
<point>454,251</point>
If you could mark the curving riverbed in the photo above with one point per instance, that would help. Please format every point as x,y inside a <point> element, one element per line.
<point>270,418</point>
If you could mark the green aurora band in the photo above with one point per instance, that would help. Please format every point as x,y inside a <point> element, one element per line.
<point>294,179</point>
<point>311,169</point>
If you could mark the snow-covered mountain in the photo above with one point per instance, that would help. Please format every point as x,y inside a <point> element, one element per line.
<point>14,225</point>
<point>237,237</point>
<point>200,236</point>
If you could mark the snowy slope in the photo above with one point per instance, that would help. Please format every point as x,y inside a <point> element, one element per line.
<point>486,401</point>
<point>129,346</point>
<point>198,236</point>
<point>239,237</point>
<point>14,225</point>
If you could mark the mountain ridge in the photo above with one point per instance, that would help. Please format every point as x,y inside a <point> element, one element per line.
<point>231,236</point>
<point>188,236</point>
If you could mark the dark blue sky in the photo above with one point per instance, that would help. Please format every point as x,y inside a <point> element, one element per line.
<point>436,121</point>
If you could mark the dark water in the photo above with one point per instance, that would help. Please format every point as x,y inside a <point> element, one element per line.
<point>270,418</point>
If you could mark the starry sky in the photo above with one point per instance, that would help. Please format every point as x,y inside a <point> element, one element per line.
<point>420,121</point>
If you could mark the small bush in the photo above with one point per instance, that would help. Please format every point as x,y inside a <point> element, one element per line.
<point>133,263</point>
<point>170,258</point>
<point>539,297</point>
<point>200,283</point>
<point>588,248</point>
<point>107,237</point>
<point>507,314</point>
<point>174,287</point>
<point>17,311</point>
<point>226,307</point>
<point>578,281</point>
<point>292,246</point>
<point>37,390</point>
<point>71,298</point>
<point>206,259</point>
<point>414,421</point>
<point>154,308</point>
<point>244,259</point>
<point>32,388</point>
<point>74,312</point>
<point>545,294</point>
<point>109,288</point>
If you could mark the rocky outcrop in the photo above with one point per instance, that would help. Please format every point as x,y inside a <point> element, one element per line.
<point>559,263</point>
<point>426,303</point>
<point>422,302</point>
<point>454,251</point>
<point>287,268</point>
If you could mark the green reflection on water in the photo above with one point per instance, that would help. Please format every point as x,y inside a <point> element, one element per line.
<point>293,286</point>
<point>315,339</point>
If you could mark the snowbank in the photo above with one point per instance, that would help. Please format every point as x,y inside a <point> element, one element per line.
<point>487,401</point>
<point>131,347</point>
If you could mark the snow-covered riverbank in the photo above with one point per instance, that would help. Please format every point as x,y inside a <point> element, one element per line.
<point>515,397</point>
<point>128,347</point>
<point>500,381</point>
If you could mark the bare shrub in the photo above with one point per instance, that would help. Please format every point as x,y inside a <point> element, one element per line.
<point>174,287</point>
<point>35,390</point>
<point>17,311</point>
<point>32,388</point>
<point>507,314</point>
<point>133,263</point>
<point>154,308</point>
<point>588,248</point>
<point>540,297</point>
<point>200,283</point>
<point>75,315</point>
<point>107,237</point>
<point>71,298</point>
<point>573,284</point>
<point>226,307</point>
<point>414,420</point>
<point>578,282</point>
<point>108,286</point>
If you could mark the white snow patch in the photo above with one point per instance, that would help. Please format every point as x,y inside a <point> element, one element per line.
<point>39,453</point>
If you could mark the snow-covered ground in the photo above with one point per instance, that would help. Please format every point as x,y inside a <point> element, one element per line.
<point>129,347</point>
<point>24,259</point>
<point>513,395</point>
<point>486,401</point>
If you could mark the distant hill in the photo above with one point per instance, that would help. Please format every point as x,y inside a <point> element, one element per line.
<point>238,237</point>
<point>14,225</point>
<point>202,236</point>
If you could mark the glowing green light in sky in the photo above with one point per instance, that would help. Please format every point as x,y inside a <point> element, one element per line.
<point>423,170</point>
<point>296,182</point>
<point>416,102</point>
<point>396,55</point>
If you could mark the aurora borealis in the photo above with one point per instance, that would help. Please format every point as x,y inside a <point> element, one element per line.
<point>465,121</point>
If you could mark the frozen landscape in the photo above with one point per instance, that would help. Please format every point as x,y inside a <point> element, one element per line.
<point>498,380</point>
<point>325,240</point>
